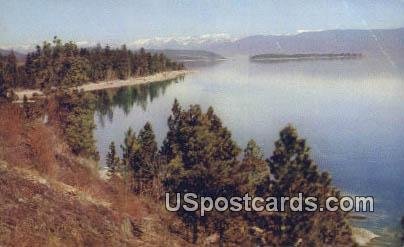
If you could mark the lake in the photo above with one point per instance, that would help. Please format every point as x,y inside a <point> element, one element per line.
<point>350,111</point>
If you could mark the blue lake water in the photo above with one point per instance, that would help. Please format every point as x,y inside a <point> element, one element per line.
<point>350,111</point>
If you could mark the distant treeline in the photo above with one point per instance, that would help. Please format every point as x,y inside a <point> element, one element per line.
<point>65,65</point>
<point>279,56</point>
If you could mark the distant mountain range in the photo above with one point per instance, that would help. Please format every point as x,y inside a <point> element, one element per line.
<point>386,42</point>
<point>380,41</point>
<point>181,43</point>
<point>390,42</point>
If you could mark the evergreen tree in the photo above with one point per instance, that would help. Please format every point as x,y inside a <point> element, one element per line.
<point>201,158</point>
<point>29,72</point>
<point>3,88</point>
<point>98,64</point>
<point>253,151</point>
<point>112,160</point>
<point>75,72</point>
<point>122,65</point>
<point>3,84</point>
<point>252,171</point>
<point>170,147</point>
<point>140,157</point>
<point>130,148</point>
<point>10,72</point>
<point>292,172</point>
<point>76,111</point>
<point>146,160</point>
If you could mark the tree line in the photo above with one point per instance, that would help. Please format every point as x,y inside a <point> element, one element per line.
<point>199,155</point>
<point>65,65</point>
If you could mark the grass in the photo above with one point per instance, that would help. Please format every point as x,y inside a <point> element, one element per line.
<point>50,197</point>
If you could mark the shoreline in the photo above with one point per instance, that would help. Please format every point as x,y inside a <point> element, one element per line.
<point>363,236</point>
<point>161,76</point>
<point>94,86</point>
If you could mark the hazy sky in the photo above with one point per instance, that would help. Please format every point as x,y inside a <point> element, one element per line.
<point>119,21</point>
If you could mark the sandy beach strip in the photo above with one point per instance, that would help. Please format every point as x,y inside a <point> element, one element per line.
<point>93,86</point>
<point>162,76</point>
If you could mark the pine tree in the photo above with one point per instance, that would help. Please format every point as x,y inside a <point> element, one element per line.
<point>252,171</point>
<point>253,151</point>
<point>147,155</point>
<point>130,149</point>
<point>112,160</point>
<point>29,71</point>
<point>203,155</point>
<point>122,63</point>
<point>3,88</point>
<point>292,172</point>
<point>10,70</point>
<point>170,147</point>
<point>3,84</point>
<point>76,115</point>
<point>75,72</point>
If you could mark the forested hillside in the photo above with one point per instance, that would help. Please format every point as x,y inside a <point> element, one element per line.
<point>54,166</point>
<point>66,65</point>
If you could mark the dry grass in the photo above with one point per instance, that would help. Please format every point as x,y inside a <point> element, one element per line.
<point>39,140</point>
<point>11,123</point>
<point>50,197</point>
<point>34,213</point>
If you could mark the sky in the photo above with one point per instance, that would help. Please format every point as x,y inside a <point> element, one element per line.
<point>24,22</point>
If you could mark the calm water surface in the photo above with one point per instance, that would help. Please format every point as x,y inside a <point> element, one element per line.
<point>350,111</point>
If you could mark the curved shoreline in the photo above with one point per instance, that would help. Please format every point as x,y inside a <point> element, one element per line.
<point>94,86</point>
<point>162,76</point>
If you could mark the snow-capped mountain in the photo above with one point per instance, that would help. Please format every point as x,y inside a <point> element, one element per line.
<point>185,42</point>
<point>381,41</point>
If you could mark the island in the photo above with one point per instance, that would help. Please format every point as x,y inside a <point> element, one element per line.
<point>278,57</point>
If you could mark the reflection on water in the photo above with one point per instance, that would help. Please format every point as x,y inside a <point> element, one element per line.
<point>350,111</point>
<point>126,98</point>
<point>198,64</point>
